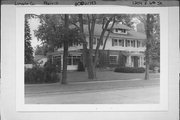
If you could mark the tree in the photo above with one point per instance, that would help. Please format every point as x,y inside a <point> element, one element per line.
<point>152,30</point>
<point>91,20</point>
<point>65,52</point>
<point>55,32</point>
<point>28,47</point>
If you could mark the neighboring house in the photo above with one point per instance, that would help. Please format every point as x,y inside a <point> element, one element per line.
<point>40,59</point>
<point>124,47</point>
<point>28,66</point>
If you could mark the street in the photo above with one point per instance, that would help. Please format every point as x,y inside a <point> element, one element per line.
<point>97,92</point>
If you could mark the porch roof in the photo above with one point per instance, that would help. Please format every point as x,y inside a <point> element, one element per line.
<point>71,52</point>
<point>132,53</point>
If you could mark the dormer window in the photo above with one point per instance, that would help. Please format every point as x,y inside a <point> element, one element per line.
<point>120,31</point>
<point>117,30</point>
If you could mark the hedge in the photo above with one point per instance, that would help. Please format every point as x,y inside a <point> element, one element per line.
<point>129,70</point>
<point>80,66</point>
<point>48,74</point>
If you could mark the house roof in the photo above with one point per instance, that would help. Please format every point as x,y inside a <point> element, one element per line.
<point>131,34</point>
<point>39,57</point>
<point>121,26</point>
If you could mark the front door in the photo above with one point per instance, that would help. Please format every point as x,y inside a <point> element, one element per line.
<point>136,61</point>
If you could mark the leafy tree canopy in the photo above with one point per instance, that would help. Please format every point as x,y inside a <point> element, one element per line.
<point>52,31</point>
<point>28,47</point>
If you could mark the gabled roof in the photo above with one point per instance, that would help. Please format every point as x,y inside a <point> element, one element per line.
<point>39,57</point>
<point>131,34</point>
<point>121,26</point>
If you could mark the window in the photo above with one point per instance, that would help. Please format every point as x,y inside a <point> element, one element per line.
<point>60,45</point>
<point>122,30</point>
<point>121,43</point>
<point>94,40</point>
<point>138,43</point>
<point>73,60</point>
<point>114,42</point>
<point>113,59</point>
<point>76,60</point>
<point>69,60</point>
<point>73,43</point>
<point>127,43</point>
<point>116,30</point>
<point>76,43</point>
<point>98,39</point>
<point>70,44</point>
<point>132,43</point>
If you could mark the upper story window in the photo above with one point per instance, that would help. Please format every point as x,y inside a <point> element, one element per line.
<point>138,44</point>
<point>98,39</point>
<point>132,43</point>
<point>121,31</point>
<point>121,42</point>
<point>127,43</point>
<point>94,40</point>
<point>114,42</point>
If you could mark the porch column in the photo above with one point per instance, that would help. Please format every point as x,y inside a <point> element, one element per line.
<point>61,61</point>
<point>124,42</point>
<point>129,61</point>
<point>140,61</point>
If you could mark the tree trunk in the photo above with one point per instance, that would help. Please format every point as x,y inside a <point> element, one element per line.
<point>83,40</point>
<point>65,53</point>
<point>108,34</point>
<point>101,39</point>
<point>148,29</point>
<point>147,63</point>
<point>90,66</point>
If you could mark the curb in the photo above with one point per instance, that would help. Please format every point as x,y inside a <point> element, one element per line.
<point>86,91</point>
<point>87,82</point>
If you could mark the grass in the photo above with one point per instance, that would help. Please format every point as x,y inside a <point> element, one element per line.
<point>107,75</point>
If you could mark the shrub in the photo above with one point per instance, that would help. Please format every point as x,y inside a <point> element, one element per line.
<point>34,75</point>
<point>80,66</point>
<point>130,70</point>
<point>154,64</point>
<point>41,75</point>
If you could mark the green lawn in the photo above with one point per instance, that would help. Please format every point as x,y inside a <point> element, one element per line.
<point>107,75</point>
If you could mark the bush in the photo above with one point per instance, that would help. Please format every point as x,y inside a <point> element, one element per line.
<point>129,70</point>
<point>34,75</point>
<point>154,64</point>
<point>41,75</point>
<point>80,66</point>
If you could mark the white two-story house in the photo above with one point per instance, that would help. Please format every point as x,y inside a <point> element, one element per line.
<point>124,48</point>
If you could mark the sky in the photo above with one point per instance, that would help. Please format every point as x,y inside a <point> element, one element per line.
<point>33,23</point>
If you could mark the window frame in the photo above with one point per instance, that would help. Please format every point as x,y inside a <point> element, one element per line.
<point>113,42</point>
<point>110,62</point>
<point>122,40</point>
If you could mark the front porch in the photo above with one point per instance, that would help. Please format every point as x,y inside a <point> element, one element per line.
<point>107,58</point>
